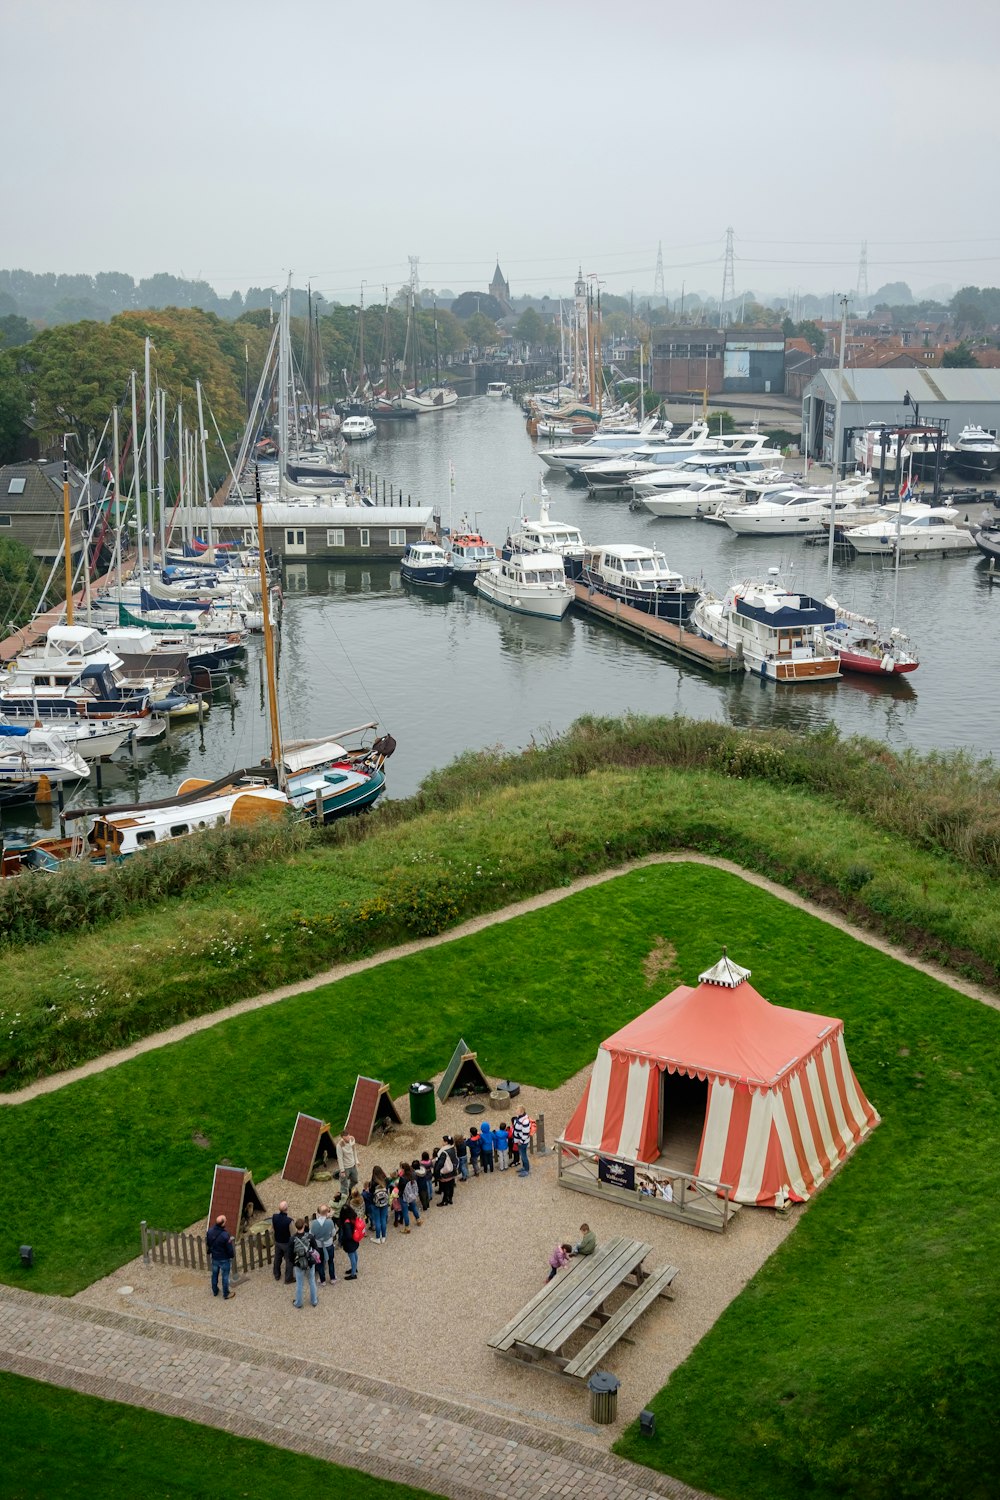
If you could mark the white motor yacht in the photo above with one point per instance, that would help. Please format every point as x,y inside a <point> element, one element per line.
<point>639,577</point>
<point>544,535</point>
<point>529,583</point>
<point>977,451</point>
<point>358,429</point>
<point>28,754</point>
<point>781,635</point>
<point>799,512</point>
<point>701,496</point>
<point>618,444</point>
<point>919,531</point>
<point>878,448</point>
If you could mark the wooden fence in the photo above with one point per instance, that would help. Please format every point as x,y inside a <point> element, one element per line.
<point>163,1247</point>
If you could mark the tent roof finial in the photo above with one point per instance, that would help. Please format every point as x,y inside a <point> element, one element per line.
<point>725,972</point>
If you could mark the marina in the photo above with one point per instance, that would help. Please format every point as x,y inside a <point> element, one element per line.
<point>357,643</point>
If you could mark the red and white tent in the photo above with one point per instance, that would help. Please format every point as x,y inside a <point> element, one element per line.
<point>784,1106</point>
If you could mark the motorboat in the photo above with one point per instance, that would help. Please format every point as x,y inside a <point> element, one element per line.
<point>781,636</point>
<point>93,739</point>
<point>878,447</point>
<point>977,451</point>
<point>639,577</point>
<point>701,496</point>
<point>498,388</point>
<point>863,646</point>
<point>545,535</point>
<point>924,449</point>
<point>914,530</point>
<point>358,429</point>
<point>469,553</point>
<point>426,564</point>
<point>658,478</point>
<point>611,443</point>
<point>799,512</point>
<point>28,754</point>
<point>987,539</point>
<point>528,583</point>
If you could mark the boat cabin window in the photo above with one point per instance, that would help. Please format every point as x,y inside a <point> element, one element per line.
<point>148,836</point>
<point>633,565</point>
<point>178,829</point>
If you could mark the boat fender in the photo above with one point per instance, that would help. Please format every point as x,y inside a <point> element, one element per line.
<point>763,669</point>
<point>887,663</point>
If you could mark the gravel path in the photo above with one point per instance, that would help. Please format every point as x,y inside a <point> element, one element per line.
<point>425,1303</point>
<point>533,903</point>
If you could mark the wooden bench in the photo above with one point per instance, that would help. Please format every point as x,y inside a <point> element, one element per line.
<point>590,1356</point>
<point>540,1331</point>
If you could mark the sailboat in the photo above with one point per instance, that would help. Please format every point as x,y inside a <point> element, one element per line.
<point>430,398</point>
<point>319,779</point>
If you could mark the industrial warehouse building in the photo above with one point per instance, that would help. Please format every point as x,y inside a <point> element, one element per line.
<point>959,398</point>
<point>718,360</point>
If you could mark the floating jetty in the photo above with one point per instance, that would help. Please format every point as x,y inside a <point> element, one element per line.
<point>673,639</point>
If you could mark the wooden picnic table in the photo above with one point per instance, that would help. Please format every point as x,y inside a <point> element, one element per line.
<point>540,1332</point>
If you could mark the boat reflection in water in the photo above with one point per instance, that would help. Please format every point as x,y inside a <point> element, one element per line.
<point>528,636</point>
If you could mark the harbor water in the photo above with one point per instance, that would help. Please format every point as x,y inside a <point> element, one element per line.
<point>446,672</point>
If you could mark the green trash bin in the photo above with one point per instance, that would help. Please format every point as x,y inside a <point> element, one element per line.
<point>423,1110</point>
<point>603,1389</point>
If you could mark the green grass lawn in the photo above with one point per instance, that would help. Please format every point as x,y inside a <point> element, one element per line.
<point>78,995</point>
<point>57,1442</point>
<point>860,1361</point>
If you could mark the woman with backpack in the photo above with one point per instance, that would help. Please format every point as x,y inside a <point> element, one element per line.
<point>446,1166</point>
<point>352,1232</point>
<point>409,1196</point>
<point>378,1196</point>
<point>305,1256</point>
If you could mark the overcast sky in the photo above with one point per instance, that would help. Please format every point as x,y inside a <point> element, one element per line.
<point>239,140</point>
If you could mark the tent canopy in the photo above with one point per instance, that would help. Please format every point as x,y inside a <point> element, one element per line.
<point>783,1105</point>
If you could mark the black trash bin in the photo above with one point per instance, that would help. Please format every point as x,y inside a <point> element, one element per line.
<point>603,1390</point>
<point>423,1110</point>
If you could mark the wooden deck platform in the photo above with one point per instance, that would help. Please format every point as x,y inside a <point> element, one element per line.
<point>674,639</point>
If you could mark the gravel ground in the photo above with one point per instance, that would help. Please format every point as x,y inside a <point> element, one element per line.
<point>425,1303</point>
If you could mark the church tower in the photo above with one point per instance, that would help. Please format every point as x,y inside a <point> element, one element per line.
<point>500,289</point>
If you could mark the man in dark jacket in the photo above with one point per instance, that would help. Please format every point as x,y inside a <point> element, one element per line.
<point>281,1223</point>
<point>222,1250</point>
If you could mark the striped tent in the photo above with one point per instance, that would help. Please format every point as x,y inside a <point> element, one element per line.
<point>783,1104</point>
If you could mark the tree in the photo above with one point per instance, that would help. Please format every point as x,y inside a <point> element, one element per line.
<point>481,331</point>
<point>21,583</point>
<point>959,358</point>
<point>476,302</point>
<point>529,327</point>
<point>812,333</point>
<point>14,331</point>
<point>15,408</point>
<point>894,293</point>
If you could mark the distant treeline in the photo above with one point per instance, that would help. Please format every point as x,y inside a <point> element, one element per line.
<point>49,298</point>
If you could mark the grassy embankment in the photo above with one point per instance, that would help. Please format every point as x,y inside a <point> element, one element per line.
<point>57,1442</point>
<point>859,1361</point>
<point>908,846</point>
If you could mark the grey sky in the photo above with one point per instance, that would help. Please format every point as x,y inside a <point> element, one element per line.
<point>237,140</point>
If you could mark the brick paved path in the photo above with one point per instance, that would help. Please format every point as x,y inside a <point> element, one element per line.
<point>348,1419</point>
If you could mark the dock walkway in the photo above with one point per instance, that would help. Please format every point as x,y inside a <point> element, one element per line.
<point>671,638</point>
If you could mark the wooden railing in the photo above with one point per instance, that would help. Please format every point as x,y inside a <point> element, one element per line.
<point>164,1247</point>
<point>695,1200</point>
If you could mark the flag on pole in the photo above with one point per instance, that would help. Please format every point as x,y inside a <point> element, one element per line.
<point>905,488</point>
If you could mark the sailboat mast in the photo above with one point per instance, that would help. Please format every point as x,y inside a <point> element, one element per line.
<point>437,355</point>
<point>137,484</point>
<point>599,357</point>
<point>117,461</point>
<point>837,440</point>
<point>67,549</point>
<point>277,755</point>
<point>361,346</point>
<point>161,464</point>
<point>149,463</point>
<point>204,469</point>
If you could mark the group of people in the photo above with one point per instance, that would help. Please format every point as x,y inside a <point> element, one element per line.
<point>305,1249</point>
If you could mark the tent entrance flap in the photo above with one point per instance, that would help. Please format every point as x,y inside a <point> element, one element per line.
<point>683,1102</point>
